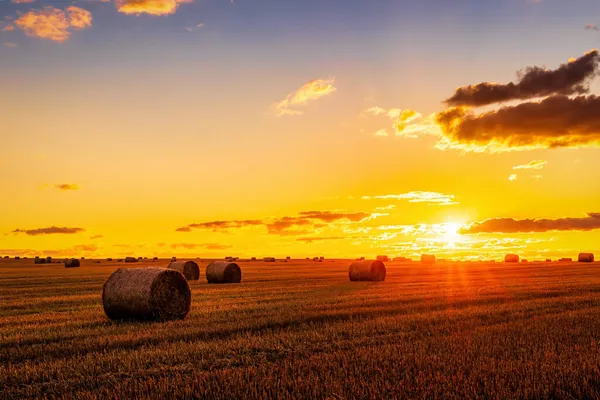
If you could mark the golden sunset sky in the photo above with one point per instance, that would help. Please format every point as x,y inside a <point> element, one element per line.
<point>466,129</point>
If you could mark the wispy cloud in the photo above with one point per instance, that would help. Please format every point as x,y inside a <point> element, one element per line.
<point>511,225</point>
<point>96,237</point>
<point>193,28</point>
<point>310,91</point>
<point>221,225</point>
<point>49,231</point>
<point>431,198</point>
<point>53,23</point>
<point>66,186</point>
<point>313,239</point>
<point>535,164</point>
<point>592,27</point>
<point>8,28</point>
<point>513,177</point>
<point>9,44</point>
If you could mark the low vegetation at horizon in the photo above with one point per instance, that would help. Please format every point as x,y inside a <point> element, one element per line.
<point>301,329</point>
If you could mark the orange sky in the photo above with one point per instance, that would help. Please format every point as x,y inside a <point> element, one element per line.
<point>158,145</point>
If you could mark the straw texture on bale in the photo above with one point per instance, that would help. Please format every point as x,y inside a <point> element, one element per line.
<point>586,257</point>
<point>367,270</point>
<point>189,269</point>
<point>156,294</point>
<point>223,272</point>
<point>427,259</point>
<point>131,259</point>
<point>511,258</point>
<point>72,263</point>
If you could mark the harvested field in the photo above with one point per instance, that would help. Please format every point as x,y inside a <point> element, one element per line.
<point>301,330</point>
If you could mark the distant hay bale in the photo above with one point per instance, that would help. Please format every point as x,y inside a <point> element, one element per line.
<point>586,257</point>
<point>130,259</point>
<point>367,271</point>
<point>39,260</point>
<point>382,258</point>
<point>566,259</point>
<point>17,258</point>
<point>109,259</point>
<point>155,258</point>
<point>316,259</point>
<point>253,259</point>
<point>548,260</point>
<point>269,259</point>
<point>524,261</point>
<point>511,258</point>
<point>83,258</point>
<point>140,258</point>
<point>49,260</point>
<point>223,272</point>
<point>72,263</point>
<point>120,260</point>
<point>427,259</point>
<point>173,259</point>
<point>189,269</point>
<point>157,294</point>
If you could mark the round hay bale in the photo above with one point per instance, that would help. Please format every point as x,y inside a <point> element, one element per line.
<point>72,263</point>
<point>130,259</point>
<point>39,261</point>
<point>511,258</point>
<point>369,270</point>
<point>189,269</point>
<point>173,259</point>
<point>223,272</point>
<point>155,294</point>
<point>586,257</point>
<point>427,259</point>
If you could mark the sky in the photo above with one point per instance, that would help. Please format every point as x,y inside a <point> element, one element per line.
<point>467,129</point>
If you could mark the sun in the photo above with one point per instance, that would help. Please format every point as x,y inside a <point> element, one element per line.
<point>450,233</point>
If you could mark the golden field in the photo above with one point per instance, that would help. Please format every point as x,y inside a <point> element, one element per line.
<point>302,330</point>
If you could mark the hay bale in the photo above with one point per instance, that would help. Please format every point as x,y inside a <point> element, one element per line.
<point>17,258</point>
<point>72,263</point>
<point>189,269</point>
<point>586,257</point>
<point>548,260</point>
<point>369,270</point>
<point>49,260</point>
<point>157,294</point>
<point>382,258</point>
<point>173,259</point>
<point>130,259</point>
<point>427,259</point>
<point>511,258</point>
<point>109,259</point>
<point>565,259</point>
<point>39,260</point>
<point>223,272</point>
<point>269,259</point>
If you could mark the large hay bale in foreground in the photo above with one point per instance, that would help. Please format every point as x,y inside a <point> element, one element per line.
<point>157,294</point>
<point>427,259</point>
<point>189,269</point>
<point>130,259</point>
<point>586,257</point>
<point>72,263</point>
<point>367,270</point>
<point>223,272</point>
<point>511,258</point>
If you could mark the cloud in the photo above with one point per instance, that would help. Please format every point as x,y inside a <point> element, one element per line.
<point>381,132</point>
<point>216,226</point>
<point>209,246</point>
<point>310,91</point>
<point>557,121</point>
<point>49,231</point>
<point>152,7</point>
<point>535,164</point>
<point>511,225</point>
<point>513,177</point>
<point>22,1</point>
<point>66,186</point>
<point>569,78</point>
<point>8,28</point>
<point>375,111</point>
<point>54,24</point>
<point>431,198</point>
<point>192,28</point>
<point>304,222</point>
<point>96,237</point>
<point>86,247</point>
<point>320,239</point>
<point>9,44</point>
<point>592,27</point>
